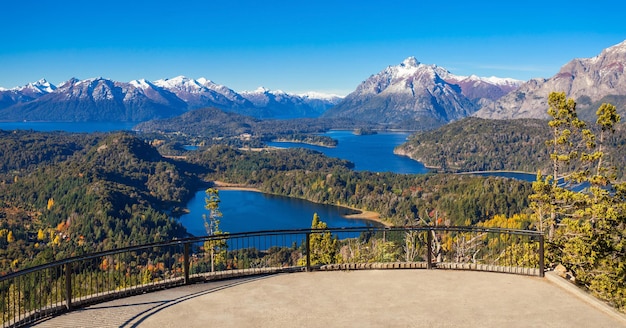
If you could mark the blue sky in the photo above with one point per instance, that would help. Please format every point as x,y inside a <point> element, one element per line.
<point>297,46</point>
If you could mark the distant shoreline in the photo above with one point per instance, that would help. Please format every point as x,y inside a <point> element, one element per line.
<point>497,171</point>
<point>363,215</point>
<point>318,144</point>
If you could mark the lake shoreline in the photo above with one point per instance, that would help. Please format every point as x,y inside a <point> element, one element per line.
<point>363,215</point>
<point>496,171</point>
<point>318,144</point>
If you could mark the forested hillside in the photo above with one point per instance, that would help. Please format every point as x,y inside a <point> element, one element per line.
<point>22,151</point>
<point>83,193</point>
<point>109,194</point>
<point>67,194</point>
<point>475,144</point>
<point>209,126</point>
<point>400,199</point>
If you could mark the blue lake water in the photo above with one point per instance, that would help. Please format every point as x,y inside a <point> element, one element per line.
<point>368,152</point>
<point>252,211</point>
<point>245,211</point>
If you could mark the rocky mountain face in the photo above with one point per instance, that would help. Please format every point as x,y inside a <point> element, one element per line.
<point>203,93</point>
<point>29,92</point>
<point>279,104</point>
<point>589,81</point>
<point>97,100</point>
<point>483,88</point>
<point>140,100</point>
<point>416,95</point>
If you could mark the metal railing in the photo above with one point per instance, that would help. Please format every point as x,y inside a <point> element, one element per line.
<point>39,292</point>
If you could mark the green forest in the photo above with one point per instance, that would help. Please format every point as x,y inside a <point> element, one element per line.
<point>104,191</point>
<point>68,194</point>
<point>475,144</point>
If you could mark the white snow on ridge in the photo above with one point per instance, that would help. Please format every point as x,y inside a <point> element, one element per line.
<point>181,83</point>
<point>501,80</point>
<point>411,66</point>
<point>140,84</point>
<point>320,96</point>
<point>260,90</point>
<point>41,86</point>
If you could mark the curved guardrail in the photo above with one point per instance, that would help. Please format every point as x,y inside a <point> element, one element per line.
<point>39,292</point>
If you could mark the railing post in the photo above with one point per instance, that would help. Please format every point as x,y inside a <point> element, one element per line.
<point>68,285</point>
<point>308,251</point>
<point>186,263</point>
<point>429,249</point>
<point>541,256</point>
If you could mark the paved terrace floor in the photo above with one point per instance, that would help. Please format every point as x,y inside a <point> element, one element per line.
<point>383,298</point>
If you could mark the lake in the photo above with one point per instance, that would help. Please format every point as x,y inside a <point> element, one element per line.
<point>245,211</point>
<point>368,152</point>
<point>252,211</point>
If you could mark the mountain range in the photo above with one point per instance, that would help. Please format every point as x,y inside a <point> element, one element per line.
<point>416,95</point>
<point>589,81</point>
<point>100,99</point>
<point>409,95</point>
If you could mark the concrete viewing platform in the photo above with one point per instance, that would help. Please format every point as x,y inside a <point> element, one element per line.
<point>362,298</point>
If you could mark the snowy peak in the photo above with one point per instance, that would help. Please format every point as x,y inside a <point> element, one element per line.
<point>263,90</point>
<point>181,83</point>
<point>42,86</point>
<point>502,81</point>
<point>410,67</point>
<point>410,62</point>
<point>198,93</point>
<point>416,95</point>
<point>284,105</point>
<point>404,77</point>
<point>312,95</point>
<point>160,98</point>
<point>493,80</point>
<point>24,94</point>
<point>483,89</point>
<point>141,84</point>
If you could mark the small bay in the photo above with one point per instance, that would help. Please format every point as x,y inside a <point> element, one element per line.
<point>372,152</point>
<point>245,211</point>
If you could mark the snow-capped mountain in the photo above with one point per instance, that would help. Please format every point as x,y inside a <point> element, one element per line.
<point>320,102</point>
<point>41,87</point>
<point>477,88</point>
<point>29,92</point>
<point>98,99</point>
<point>280,104</point>
<point>204,93</point>
<point>589,81</point>
<point>413,94</point>
<point>138,100</point>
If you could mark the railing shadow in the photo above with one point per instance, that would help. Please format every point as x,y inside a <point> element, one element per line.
<point>142,316</point>
<point>36,293</point>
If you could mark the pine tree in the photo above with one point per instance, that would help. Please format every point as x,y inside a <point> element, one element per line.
<point>587,228</point>
<point>323,246</point>
<point>215,247</point>
<point>564,123</point>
